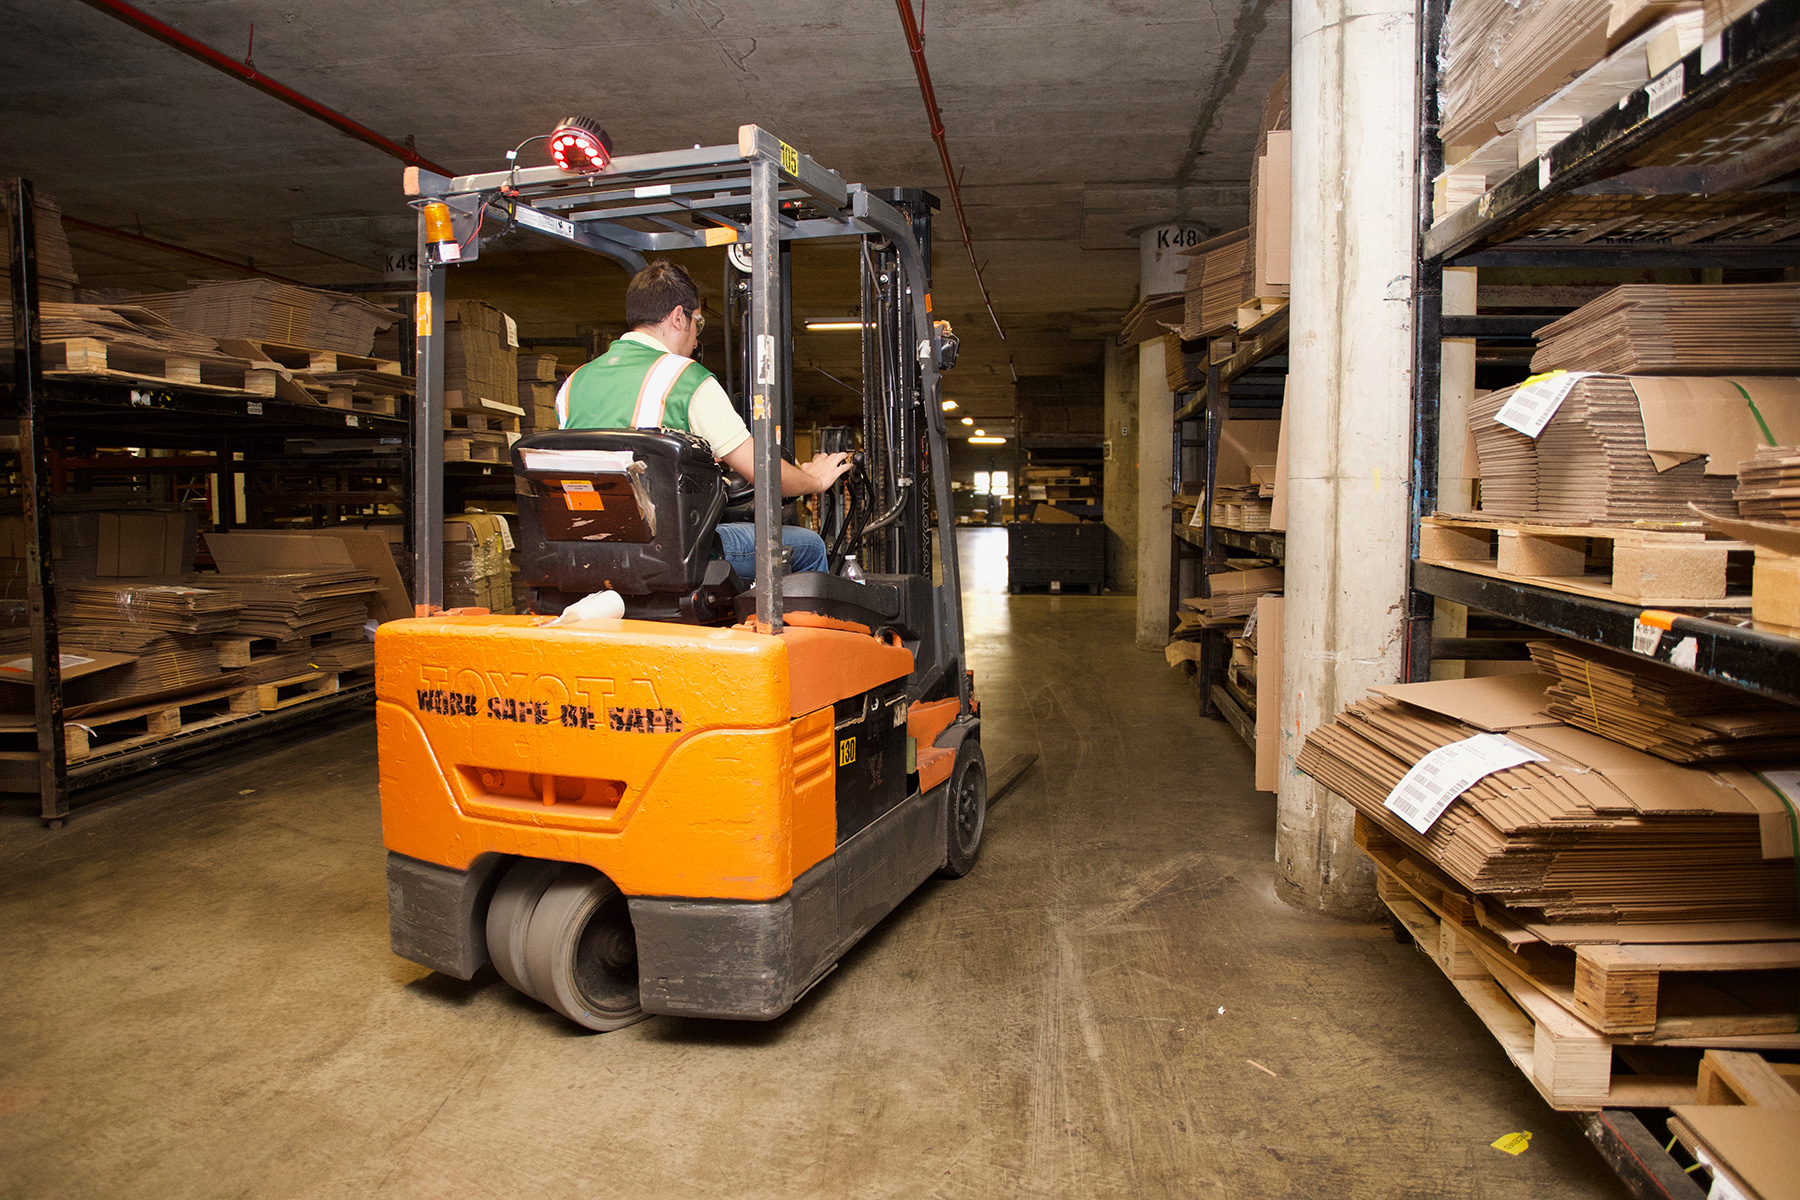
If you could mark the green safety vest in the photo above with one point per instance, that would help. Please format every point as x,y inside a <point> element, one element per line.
<point>632,386</point>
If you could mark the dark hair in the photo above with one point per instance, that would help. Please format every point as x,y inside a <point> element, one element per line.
<point>656,289</point>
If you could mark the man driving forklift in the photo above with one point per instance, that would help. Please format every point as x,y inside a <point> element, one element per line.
<point>648,379</point>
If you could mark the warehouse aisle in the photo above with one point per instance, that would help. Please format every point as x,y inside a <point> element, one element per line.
<point>199,1001</point>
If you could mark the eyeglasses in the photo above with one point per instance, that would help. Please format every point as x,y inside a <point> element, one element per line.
<point>698,318</point>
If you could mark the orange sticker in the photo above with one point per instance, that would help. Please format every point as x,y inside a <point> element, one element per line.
<point>580,496</point>
<point>927,301</point>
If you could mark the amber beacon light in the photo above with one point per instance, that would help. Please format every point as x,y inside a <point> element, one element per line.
<point>580,146</point>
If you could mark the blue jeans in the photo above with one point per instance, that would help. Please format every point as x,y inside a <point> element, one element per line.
<point>740,548</point>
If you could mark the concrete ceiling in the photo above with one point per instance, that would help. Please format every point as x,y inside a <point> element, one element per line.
<point>1076,122</point>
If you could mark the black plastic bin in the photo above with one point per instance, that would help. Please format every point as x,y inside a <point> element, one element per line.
<point>1072,556</point>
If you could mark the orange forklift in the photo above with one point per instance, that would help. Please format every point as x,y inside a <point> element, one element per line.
<point>697,807</point>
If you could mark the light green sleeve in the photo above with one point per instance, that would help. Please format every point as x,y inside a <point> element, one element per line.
<point>711,416</point>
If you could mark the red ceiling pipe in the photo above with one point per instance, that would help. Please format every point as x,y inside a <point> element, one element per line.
<point>168,34</point>
<point>915,42</point>
<point>172,248</point>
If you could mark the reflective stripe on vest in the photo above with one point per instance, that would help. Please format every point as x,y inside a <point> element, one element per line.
<point>653,396</point>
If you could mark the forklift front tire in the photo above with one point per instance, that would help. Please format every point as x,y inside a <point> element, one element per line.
<point>966,808</point>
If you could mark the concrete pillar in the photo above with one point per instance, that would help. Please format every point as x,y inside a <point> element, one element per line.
<point>1119,469</point>
<point>1159,265</point>
<point>1155,451</point>
<point>1348,429</point>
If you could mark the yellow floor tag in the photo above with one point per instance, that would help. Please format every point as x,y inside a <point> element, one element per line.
<point>1514,1144</point>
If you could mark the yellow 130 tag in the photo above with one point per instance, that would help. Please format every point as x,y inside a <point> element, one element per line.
<point>1514,1144</point>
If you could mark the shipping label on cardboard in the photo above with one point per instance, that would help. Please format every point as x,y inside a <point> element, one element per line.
<point>1426,791</point>
<point>1530,408</point>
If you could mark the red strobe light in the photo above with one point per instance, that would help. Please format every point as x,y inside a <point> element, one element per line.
<point>580,146</point>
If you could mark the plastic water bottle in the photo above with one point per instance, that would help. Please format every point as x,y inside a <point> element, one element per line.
<point>851,570</point>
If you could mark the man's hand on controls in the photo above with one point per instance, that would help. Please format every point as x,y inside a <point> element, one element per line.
<point>817,475</point>
<point>827,469</point>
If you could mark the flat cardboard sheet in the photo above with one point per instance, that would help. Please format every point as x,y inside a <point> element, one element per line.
<point>75,664</point>
<point>1493,704</point>
<point>1686,417</point>
<point>254,552</point>
<point>1760,1146</point>
<point>1278,501</point>
<point>1269,616</point>
<point>1783,539</point>
<point>1244,444</point>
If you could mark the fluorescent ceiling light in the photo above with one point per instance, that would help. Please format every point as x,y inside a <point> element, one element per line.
<point>968,420</point>
<point>987,441</point>
<point>834,326</point>
<point>949,405</point>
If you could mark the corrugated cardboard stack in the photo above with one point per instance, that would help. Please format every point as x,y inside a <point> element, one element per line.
<point>1659,710</point>
<point>166,627</point>
<point>537,392</point>
<point>1679,329</point>
<point>1769,485</point>
<point>1234,593</point>
<point>1588,831</point>
<point>265,310</point>
<point>1629,424</point>
<point>57,281</point>
<point>477,568</point>
<point>481,382</point>
<point>1217,281</point>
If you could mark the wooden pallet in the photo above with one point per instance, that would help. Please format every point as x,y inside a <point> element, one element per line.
<point>1652,994</point>
<point>1569,1063</point>
<point>91,358</point>
<point>130,728</point>
<point>373,403</point>
<point>311,361</point>
<point>1651,567</point>
<point>482,447</point>
<point>297,689</point>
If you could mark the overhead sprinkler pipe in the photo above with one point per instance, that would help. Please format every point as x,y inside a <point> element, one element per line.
<point>171,36</point>
<point>915,42</point>
<point>172,248</point>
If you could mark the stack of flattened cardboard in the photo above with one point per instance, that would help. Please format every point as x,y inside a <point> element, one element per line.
<point>293,604</point>
<point>1769,485</point>
<point>1627,448</point>
<point>1591,831</point>
<point>1271,200</point>
<point>1500,57</point>
<point>1662,711</point>
<point>481,357</point>
<point>165,626</point>
<point>1234,592</point>
<point>1679,329</point>
<point>537,392</point>
<point>1216,282</point>
<point>477,564</point>
<point>57,280</point>
<point>265,310</point>
<point>1241,507</point>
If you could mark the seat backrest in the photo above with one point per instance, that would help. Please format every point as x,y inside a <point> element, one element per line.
<point>630,509</point>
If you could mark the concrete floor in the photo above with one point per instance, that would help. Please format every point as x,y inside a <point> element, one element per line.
<point>198,1001</point>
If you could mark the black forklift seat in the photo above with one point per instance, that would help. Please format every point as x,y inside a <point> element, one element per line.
<point>633,510</point>
<point>636,511</point>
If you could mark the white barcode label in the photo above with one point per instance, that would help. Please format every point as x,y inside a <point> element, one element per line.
<point>1665,91</point>
<point>1426,791</point>
<point>1530,408</point>
<point>1645,638</point>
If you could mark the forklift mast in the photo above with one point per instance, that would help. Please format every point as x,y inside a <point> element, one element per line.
<point>760,194</point>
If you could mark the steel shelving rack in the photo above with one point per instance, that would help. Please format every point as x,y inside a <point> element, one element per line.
<point>222,426</point>
<point>1246,386</point>
<point>1687,171</point>
<point>1697,183</point>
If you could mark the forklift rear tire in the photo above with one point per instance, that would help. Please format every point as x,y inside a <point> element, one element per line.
<point>509,916</point>
<point>966,810</point>
<point>581,951</point>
